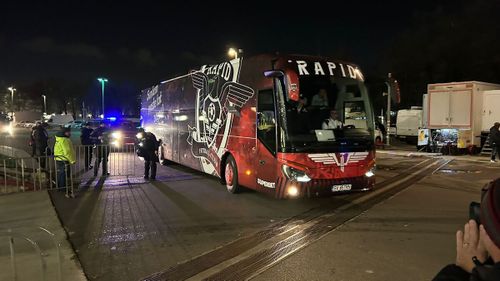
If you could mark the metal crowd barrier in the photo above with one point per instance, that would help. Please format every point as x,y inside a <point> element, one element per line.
<point>12,236</point>
<point>120,160</point>
<point>40,172</point>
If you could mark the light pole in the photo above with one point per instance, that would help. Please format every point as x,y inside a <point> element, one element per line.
<point>12,90</point>
<point>390,89</point>
<point>44,104</point>
<point>103,81</point>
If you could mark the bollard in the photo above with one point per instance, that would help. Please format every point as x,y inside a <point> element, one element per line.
<point>17,177</point>
<point>22,175</point>
<point>12,258</point>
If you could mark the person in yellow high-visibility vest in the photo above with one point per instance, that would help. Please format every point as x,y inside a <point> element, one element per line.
<point>64,154</point>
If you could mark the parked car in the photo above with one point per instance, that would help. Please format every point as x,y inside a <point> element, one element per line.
<point>75,124</point>
<point>25,124</point>
<point>123,133</point>
<point>59,119</point>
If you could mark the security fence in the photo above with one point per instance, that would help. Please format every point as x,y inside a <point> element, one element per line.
<point>45,172</point>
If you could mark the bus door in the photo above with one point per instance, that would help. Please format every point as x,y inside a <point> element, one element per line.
<point>266,140</point>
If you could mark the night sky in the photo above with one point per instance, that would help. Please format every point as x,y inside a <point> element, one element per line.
<point>140,43</point>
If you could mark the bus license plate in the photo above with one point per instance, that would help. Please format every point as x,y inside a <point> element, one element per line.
<point>341,187</point>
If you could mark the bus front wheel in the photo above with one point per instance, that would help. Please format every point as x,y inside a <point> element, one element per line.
<point>231,175</point>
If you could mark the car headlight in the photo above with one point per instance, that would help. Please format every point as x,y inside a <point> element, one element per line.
<point>8,129</point>
<point>294,174</point>
<point>116,135</point>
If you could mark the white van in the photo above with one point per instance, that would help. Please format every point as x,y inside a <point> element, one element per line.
<point>408,122</point>
<point>59,119</point>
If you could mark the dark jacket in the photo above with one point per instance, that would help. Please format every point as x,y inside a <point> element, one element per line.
<point>150,142</point>
<point>100,136</point>
<point>85,136</point>
<point>147,146</point>
<point>40,136</point>
<point>494,135</point>
<point>487,272</point>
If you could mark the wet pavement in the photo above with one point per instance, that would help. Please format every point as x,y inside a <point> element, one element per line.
<point>410,236</point>
<point>186,226</point>
<point>125,229</point>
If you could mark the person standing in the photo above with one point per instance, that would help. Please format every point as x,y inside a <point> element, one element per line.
<point>100,137</point>
<point>320,99</point>
<point>41,138</point>
<point>148,147</point>
<point>32,141</point>
<point>64,155</point>
<point>495,141</point>
<point>87,143</point>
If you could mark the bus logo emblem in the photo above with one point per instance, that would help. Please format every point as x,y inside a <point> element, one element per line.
<point>219,99</point>
<point>340,159</point>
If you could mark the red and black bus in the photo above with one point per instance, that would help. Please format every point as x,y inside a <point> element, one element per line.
<point>263,123</point>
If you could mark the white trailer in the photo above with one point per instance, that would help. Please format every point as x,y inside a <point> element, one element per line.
<point>457,110</point>
<point>491,109</point>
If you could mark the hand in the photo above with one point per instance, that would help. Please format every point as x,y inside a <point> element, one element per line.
<point>468,246</point>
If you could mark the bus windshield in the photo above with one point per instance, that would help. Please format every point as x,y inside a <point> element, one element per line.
<point>333,115</point>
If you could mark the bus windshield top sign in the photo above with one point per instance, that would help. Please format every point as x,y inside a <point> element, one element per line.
<point>327,68</point>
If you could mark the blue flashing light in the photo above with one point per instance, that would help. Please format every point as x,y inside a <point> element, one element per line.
<point>112,119</point>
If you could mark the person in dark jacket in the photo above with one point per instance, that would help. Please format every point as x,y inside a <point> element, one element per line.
<point>148,148</point>
<point>87,143</point>
<point>40,138</point>
<point>478,247</point>
<point>31,141</point>
<point>495,141</point>
<point>100,138</point>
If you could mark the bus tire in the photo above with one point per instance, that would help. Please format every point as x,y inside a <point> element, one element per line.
<point>231,175</point>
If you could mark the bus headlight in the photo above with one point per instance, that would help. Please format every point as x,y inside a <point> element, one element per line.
<point>370,173</point>
<point>294,174</point>
<point>116,135</point>
<point>292,191</point>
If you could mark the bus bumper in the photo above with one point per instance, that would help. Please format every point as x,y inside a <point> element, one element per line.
<point>322,187</point>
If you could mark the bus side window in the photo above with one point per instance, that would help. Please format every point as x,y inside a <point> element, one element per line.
<point>266,119</point>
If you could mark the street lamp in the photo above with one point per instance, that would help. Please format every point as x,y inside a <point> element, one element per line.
<point>232,53</point>
<point>12,90</point>
<point>44,103</point>
<point>102,80</point>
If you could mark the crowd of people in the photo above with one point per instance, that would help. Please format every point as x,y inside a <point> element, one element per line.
<point>96,146</point>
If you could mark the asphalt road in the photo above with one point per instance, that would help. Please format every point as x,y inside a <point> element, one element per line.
<point>186,226</point>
